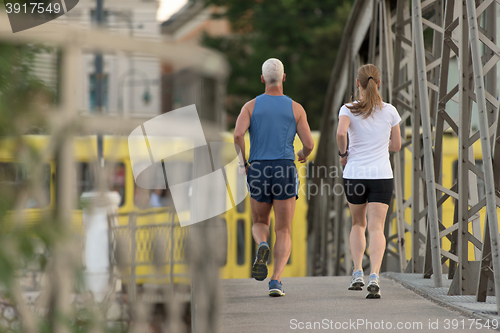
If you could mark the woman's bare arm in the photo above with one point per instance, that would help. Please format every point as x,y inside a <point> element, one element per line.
<point>395,141</point>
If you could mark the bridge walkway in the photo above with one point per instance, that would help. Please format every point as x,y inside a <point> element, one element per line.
<point>322,304</point>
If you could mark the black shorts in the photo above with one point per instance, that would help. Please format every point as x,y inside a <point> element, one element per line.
<point>360,191</point>
<point>273,180</point>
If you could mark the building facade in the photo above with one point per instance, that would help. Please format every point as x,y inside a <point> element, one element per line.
<point>131,82</point>
<point>187,87</point>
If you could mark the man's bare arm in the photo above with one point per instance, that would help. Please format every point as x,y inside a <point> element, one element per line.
<point>304,133</point>
<point>242,125</point>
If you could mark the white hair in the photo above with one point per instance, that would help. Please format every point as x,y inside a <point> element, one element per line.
<point>273,71</point>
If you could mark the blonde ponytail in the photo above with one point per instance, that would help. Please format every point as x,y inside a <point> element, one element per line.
<point>368,76</point>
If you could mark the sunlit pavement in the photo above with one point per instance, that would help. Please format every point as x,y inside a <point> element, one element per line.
<point>320,304</point>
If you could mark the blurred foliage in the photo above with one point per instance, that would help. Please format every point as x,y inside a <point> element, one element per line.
<point>24,103</point>
<point>24,99</point>
<point>304,35</point>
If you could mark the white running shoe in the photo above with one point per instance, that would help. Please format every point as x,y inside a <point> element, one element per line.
<point>357,281</point>
<point>373,286</point>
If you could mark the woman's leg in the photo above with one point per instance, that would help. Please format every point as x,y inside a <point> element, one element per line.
<point>357,237</point>
<point>377,213</point>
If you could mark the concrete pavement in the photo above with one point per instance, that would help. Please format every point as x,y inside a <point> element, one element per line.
<point>323,304</point>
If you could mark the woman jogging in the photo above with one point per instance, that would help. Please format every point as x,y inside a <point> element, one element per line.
<point>373,128</point>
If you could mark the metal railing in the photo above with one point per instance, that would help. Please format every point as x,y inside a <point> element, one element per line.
<point>159,246</point>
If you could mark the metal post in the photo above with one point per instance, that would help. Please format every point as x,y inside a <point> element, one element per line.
<point>485,145</point>
<point>400,99</point>
<point>417,186</point>
<point>172,226</point>
<point>132,285</point>
<point>65,185</point>
<point>443,121</point>
<point>99,66</point>
<point>428,155</point>
<point>496,153</point>
<point>202,258</point>
<point>387,50</point>
<point>464,283</point>
<point>373,34</point>
<point>491,89</point>
<point>385,90</point>
<point>434,60</point>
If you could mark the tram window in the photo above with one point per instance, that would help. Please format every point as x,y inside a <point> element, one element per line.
<point>241,187</point>
<point>85,175</point>
<point>14,178</point>
<point>481,191</point>
<point>117,180</point>
<point>224,243</point>
<point>240,242</point>
<point>84,178</point>
<point>181,172</point>
<point>141,197</point>
<point>160,198</point>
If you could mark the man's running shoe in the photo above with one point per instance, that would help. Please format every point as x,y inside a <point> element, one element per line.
<point>373,286</point>
<point>357,281</point>
<point>259,267</point>
<point>276,289</point>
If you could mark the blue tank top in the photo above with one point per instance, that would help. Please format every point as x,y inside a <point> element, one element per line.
<point>272,129</point>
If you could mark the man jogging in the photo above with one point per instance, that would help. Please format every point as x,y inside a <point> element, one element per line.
<point>272,119</point>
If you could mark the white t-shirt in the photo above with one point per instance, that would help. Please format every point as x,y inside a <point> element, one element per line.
<point>369,143</point>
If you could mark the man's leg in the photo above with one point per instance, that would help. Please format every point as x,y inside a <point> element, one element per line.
<point>283,211</point>
<point>377,213</point>
<point>260,232</point>
<point>357,237</point>
<point>261,220</point>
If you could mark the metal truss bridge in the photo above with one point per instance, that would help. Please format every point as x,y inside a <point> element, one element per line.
<point>420,46</point>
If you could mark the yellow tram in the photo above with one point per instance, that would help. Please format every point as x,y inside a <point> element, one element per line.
<point>148,221</point>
